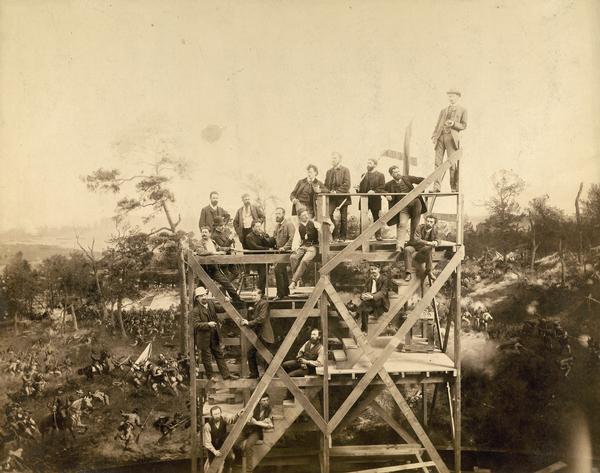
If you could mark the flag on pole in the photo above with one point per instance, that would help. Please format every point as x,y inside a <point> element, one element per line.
<point>144,356</point>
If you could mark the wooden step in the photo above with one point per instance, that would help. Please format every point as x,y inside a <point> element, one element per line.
<point>349,343</point>
<point>339,356</point>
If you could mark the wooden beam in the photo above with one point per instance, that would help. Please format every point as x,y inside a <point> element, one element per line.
<point>360,406</point>
<point>391,213</point>
<point>393,423</point>
<point>390,469</point>
<point>257,258</point>
<point>193,388</point>
<point>378,368</point>
<point>394,449</point>
<point>552,468</point>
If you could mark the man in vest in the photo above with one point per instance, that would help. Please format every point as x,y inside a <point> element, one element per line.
<point>212,210</point>
<point>245,216</point>
<point>374,299</point>
<point>306,252</point>
<point>261,420</point>
<point>207,335</point>
<point>446,136</point>
<point>215,433</point>
<point>284,237</point>
<point>403,185</point>
<point>421,246</point>
<point>337,180</point>
<point>309,357</point>
<point>373,182</point>
<point>260,322</point>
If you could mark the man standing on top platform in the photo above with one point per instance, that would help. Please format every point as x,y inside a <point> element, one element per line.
<point>373,182</point>
<point>305,193</point>
<point>208,213</point>
<point>284,237</point>
<point>245,215</point>
<point>422,244</point>
<point>446,136</point>
<point>403,185</point>
<point>337,180</point>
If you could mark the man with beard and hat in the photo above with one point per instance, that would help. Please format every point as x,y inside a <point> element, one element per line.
<point>373,182</point>
<point>212,210</point>
<point>284,237</point>
<point>245,216</point>
<point>421,246</point>
<point>403,185</point>
<point>337,180</point>
<point>207,335</point>
<point>446,136</point>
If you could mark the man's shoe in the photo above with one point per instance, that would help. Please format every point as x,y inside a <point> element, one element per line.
<point>408,277</point>
<point>231,377</point>
<point>436,191</point>
<point>251,376</point>
<point>292,286</point>
<point>431,276</point>
<point>378,237</point>
<point>213,379</point>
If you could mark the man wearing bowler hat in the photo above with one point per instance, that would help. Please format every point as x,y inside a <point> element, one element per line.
<point>446,136</point>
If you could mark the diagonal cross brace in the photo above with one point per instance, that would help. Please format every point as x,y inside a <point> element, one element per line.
<point>251,336</point>
<point>386,378</point>
<point>272,368</point>
<point>396,339</point>
<point>391,213</point>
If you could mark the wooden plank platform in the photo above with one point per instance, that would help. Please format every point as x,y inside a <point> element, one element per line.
<point>401,363</point>
<point>375,450</point>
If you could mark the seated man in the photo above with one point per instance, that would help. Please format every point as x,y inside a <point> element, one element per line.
<point>260,322</point>
<point>309,357</point>
<point>208,246</point>
<point>258,240</point>
<point>423,243</point>
<point>215,433</point>
<point>221,235</point>
<point>374,299</point>
<point>306,252</point>
<point>261,420</point>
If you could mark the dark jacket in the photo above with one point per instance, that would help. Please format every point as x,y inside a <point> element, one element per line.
<point>284,235</point>
<point>373,181</point>
<point>422,235</point>
<point>260,321</point>
<point>338,179</point>
<point>305,193</point>
<point>381,301</point>
<point>309,235</point>
<point>204,335</point>
<point>259,242</point>
<point>238,220</point>
<point>208,214</point>
<point>404,186</point>
<point>222,239</point>
<point>267,413</point>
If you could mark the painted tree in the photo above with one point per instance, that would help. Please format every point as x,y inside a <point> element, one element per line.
<point>591,214</point>
<point>18,285</point>
<point>505,213</point>
<point>546,224</point>
<point>151,197</point>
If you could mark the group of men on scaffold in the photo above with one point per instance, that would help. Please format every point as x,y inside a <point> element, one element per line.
<point>415,241</point>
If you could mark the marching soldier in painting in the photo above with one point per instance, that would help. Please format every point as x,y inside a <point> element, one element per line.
<point>446,136</point>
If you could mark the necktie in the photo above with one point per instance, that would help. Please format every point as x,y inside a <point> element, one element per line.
<point>374,286</point>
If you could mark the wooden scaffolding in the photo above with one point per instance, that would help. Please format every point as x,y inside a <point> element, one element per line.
<point>368,364</point>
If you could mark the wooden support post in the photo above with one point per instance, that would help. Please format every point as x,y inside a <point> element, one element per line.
<point>424,420</point>
<point>457,340</point>
<point>193,387</point>
<point>393,423</point>
<point>364,220</point>
<point>326,438</point>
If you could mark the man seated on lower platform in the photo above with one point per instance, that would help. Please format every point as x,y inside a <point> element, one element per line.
<point>215,433</point>
<point>374,299</point>
<point>421,246</point>
<point>261,420</point>
<point>308,249</point>
<point>309,357</point>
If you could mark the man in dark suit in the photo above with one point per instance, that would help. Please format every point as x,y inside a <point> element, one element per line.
<point>337,180</point>
<point>260,322</point>
<point>372,182</point>
<point>245,215</point>
<point>304,194</point>
<point>208,213</point>
<point>421,247</point>
<point>207,335</point>
<point>403,185</point>
<point>374,299</point>
<point>446,136</point>
<point>258,240</point>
